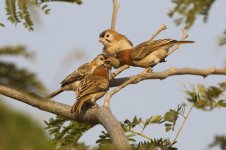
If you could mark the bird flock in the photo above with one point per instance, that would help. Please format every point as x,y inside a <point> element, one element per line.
<point>91,80</point>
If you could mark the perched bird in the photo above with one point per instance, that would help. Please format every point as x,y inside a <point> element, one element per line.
<point>72,80</point>
<point>114,42</point>
<point>147,54</point>
<point>92,87</point>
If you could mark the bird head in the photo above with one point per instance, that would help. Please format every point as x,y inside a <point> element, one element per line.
<point>108,63</point>
<point>108,37</point>
<point>100,59</point>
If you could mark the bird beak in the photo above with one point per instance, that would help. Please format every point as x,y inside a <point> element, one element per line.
<point>108,63</point>
<point>100,40</point>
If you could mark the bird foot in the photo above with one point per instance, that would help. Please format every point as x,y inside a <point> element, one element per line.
<point>163,61</point>
<point>112,76</point>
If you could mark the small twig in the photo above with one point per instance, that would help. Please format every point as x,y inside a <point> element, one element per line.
<point>182,125</point>
<point>161,28</point>
<point>114,13</point>
<point>119,70</point>
<point>173,72</point>
<point>136,78</point>
<point>140,134</point>
<point>175,47</point>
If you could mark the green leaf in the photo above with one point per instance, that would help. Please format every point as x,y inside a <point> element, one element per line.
<point>2,25</point>
<point>163,144</point>
<point>16,51</point>
<point>11,11</point>
<point>79,2</point>
<point>22,79</point>
<point>171,116</point>
<point>25,15</point>
<point>220,141</point>
<point>156,119</point>
<point>168,127</point>
<point>189,10</point>
<point>22,130</point>
<point>66,133</point>
<point>222,103</point>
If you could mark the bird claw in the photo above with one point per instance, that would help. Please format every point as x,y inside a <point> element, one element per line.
<point>163,60</point>
<point>106,104</point>
<point>112,76</point>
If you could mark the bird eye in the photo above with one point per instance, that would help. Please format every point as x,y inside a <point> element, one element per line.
<point>107,35</point>
<point>101,58</point>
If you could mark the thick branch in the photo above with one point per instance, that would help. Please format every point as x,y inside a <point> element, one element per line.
<point>94,116</point>
<point>114,13</point>
<point>173,72</point>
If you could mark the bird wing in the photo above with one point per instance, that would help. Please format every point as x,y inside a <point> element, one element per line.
<point>77,74</point>
<point>145,48</point>
<point>92,84</point>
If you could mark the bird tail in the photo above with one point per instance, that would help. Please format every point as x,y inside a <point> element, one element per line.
<point>77,106</point>
<point>55,93</point>
<point>184,42</point>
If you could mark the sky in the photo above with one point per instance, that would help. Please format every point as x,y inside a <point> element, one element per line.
<point>72,29</point>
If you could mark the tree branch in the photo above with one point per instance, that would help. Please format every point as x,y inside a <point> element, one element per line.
<point>172,72</point>
<point>161,28</point>
<point>114,13</point>
<point>123,85</point>
<point>184,36</point>
<point>96,115</point>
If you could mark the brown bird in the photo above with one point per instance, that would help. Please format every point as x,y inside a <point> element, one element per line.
<point>114,42</point>
<point>147,54</point>
<point>71,81</point>
<point>92,87</point>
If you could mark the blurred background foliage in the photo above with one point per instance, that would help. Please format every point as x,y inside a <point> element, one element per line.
<point>20,78</point>
<point>186,13</point>
<point>18,11</point>
<point>18,131</point>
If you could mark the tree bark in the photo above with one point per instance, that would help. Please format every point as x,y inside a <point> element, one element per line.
<point>97,115</point>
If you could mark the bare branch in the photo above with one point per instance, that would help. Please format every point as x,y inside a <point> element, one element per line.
<point>172,72</point>
<point>184,36</point>
<point>96,115</point>
<point>119,70</point>
<point>161,28</point>
<point>123,85</point>
<point>114,13</point>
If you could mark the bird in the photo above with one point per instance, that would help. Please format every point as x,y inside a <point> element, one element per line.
<point>92,87</point>
<point>72,80</point>
<point>114,42</point>
<point>148,53</point>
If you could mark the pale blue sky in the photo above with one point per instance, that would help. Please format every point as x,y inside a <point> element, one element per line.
<point>71,27</point>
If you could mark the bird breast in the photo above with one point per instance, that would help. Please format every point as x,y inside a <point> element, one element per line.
<point>116,47</point>
<point>122,45</point>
